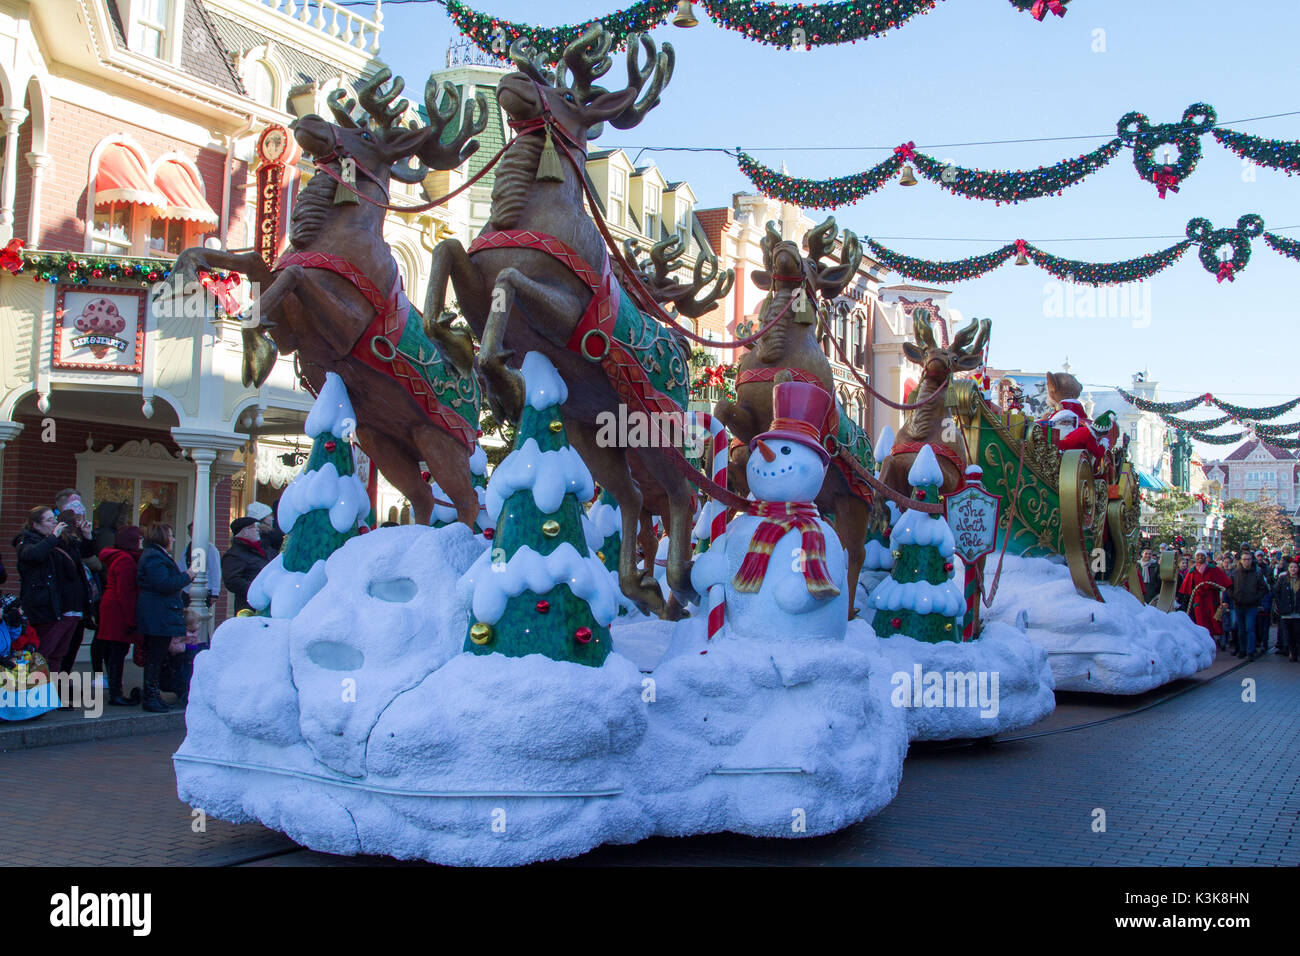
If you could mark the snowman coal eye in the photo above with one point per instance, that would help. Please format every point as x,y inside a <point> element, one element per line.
<point>785,449</point>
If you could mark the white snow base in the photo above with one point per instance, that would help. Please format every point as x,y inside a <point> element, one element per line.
<point>360,727</point>
<point>1119,647</point>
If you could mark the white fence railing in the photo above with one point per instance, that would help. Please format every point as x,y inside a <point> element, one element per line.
<point>333,20</point>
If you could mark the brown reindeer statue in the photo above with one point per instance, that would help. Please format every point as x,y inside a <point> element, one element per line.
<point>539,277</point>
<point>926,425</point>
<point>789,350</point>
<point>336,296</point>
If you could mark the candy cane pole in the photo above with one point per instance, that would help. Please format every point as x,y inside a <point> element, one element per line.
<point>717,513</point>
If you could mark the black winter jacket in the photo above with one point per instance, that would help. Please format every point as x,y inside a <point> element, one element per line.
<point>239,566</point>
<point>53,582</point>
<point>1247,587</point>
<point>1284,599</point>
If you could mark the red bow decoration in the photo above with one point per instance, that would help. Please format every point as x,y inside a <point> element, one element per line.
<point>713,377</point>
<point>1041,7</point>
<point>906,152</point>
<point>1165,179</point>
<point>1226,269</point>
<point>223,290</point>
<point>10,257</point>
<point>1022,247</point>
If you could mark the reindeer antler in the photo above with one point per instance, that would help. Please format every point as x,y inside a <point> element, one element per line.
<point>587,58</point>
<point>820,242</point>
<point>771,239</point>
<point>435,154</point>
<point>706,271</point>
<point>661,66</point>
<point>921,329</point>
<point>342,105</point>
<point>656,273</point>
<point>529,61</point>
<point>384,112</point>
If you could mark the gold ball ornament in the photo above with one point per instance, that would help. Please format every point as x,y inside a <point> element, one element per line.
<point>948,626</point>
<point>550,528</point>
<point>600,556</point>
<point>480,633</point>
<point>556,426</point>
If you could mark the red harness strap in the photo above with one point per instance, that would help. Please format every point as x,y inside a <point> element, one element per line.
<point>908,447</point>
<point>593,337</point>
<point>388,326</point>
<point>769,374</point>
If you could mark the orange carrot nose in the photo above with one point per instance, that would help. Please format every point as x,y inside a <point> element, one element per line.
<point>767,453</point>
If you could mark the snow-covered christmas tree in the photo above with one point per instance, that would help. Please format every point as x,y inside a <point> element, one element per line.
<point>319,510</point>
<point>608,519</point>
<point>540,589</point>
<point>879,556</point>
<point>921,598</point>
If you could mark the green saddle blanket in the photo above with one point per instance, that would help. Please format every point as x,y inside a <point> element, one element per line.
<point>455,390</point>
<point>658,350</point>
<point>851,436</point>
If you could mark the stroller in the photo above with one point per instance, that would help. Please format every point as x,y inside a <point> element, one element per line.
<point>25,688</point>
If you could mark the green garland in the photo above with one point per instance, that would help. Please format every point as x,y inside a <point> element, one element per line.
<point>1275,153</point>
<point>1255,414</point>
<point>822,24</point>
<point>1106,273</point>
<point>1274,431</point>
<point>930,271</point>
<point>774,24</point>
<point>1178,424</point>
<point>814,193</point>
<point>1135,131</point>
<point>494,35</point>
<point>1230,439</point>
<point>1163,408</point>
<point>1016,185</point>
<point>1280,244</point>
<point>85,268</point>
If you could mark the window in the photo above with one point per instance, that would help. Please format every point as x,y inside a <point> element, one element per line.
<point>652,213</point>
<point>261,84</point>
<point>112,229</point>
<point>149,35</point>
<point>617,195</point>
<point>166,237</point>
<point>684,226</point>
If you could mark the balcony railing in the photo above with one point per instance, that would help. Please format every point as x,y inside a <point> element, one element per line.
<point>333,20</point>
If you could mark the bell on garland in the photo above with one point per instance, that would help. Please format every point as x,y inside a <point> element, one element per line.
<point>685,16</point>
<point>908,178</point>
<point>1022,259</point>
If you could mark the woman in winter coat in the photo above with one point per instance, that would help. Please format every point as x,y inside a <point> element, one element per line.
<point>1203,585</point>
<point>117,610</point>
<point>159,607</point>
<point>1286,600</point>
<point>53,583</point>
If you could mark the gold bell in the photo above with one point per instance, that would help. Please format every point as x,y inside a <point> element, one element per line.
<point>550,528</point>
<point>556,426</point>
<point>908,178</point>
<point>480,633</point>
<point>1022,260</point>
<point>685,16</point>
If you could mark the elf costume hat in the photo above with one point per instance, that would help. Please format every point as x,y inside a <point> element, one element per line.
<point>799,413</point>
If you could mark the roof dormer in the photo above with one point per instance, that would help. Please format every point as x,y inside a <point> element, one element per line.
<point>154,28</point>
<point>646,201</point>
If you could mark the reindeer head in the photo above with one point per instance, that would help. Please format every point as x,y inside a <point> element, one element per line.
<point>938,363</point>
<point>379,143</point>
<point>578,107</point>
<point>785,267</point>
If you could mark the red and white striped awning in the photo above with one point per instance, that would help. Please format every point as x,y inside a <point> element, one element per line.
<point>122,177</point>
<point>183,196</point>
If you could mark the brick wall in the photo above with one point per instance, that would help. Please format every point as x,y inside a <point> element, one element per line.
<point>73,133</point>
<point>35,471</point>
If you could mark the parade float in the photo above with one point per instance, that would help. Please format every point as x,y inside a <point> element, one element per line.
<point>517,684</point>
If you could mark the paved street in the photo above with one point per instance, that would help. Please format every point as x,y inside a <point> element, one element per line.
<point>1201,779</point>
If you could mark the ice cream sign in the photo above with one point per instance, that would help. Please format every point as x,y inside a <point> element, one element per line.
<point>99,328</point>
<point>973,518</point>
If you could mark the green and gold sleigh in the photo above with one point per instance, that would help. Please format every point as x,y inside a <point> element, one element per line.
<point>1053,502</point>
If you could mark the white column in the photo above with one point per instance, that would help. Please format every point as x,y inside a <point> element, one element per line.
<point>202,515</point>
<point>38,162</point>
<point>13,117</point>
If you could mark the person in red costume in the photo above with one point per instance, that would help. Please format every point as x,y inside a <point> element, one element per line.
<point>1203,585</point>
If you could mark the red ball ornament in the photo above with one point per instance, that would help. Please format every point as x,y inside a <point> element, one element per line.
<point>895,622</point>
<point>153,277</point>
<point>543,606</point>
<point>97,273</point>
<point>128,270</point>
<point>330,445</point>
<point>583,635</point>
<point>948,566</point>
<point>72,265</point>
<point>363,529</point>
<point>488,533</point>
<point>920,494</point>
<point>425,475</point>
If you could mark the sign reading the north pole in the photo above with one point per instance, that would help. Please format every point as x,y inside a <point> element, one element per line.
<point>272,149</point>
<point>99,328</point>
<point>973,517</point>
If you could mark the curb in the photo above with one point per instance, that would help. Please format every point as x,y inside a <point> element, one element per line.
<point>62,727</point>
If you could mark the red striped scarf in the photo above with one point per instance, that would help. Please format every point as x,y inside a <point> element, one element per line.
<point>779,518</point>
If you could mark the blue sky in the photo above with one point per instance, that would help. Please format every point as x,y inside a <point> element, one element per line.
<point>974,70</point>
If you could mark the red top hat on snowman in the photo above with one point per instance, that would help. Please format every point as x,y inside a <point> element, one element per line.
<point>800,411</point>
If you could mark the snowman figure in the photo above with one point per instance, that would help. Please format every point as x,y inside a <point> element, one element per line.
<point>783,569</point>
